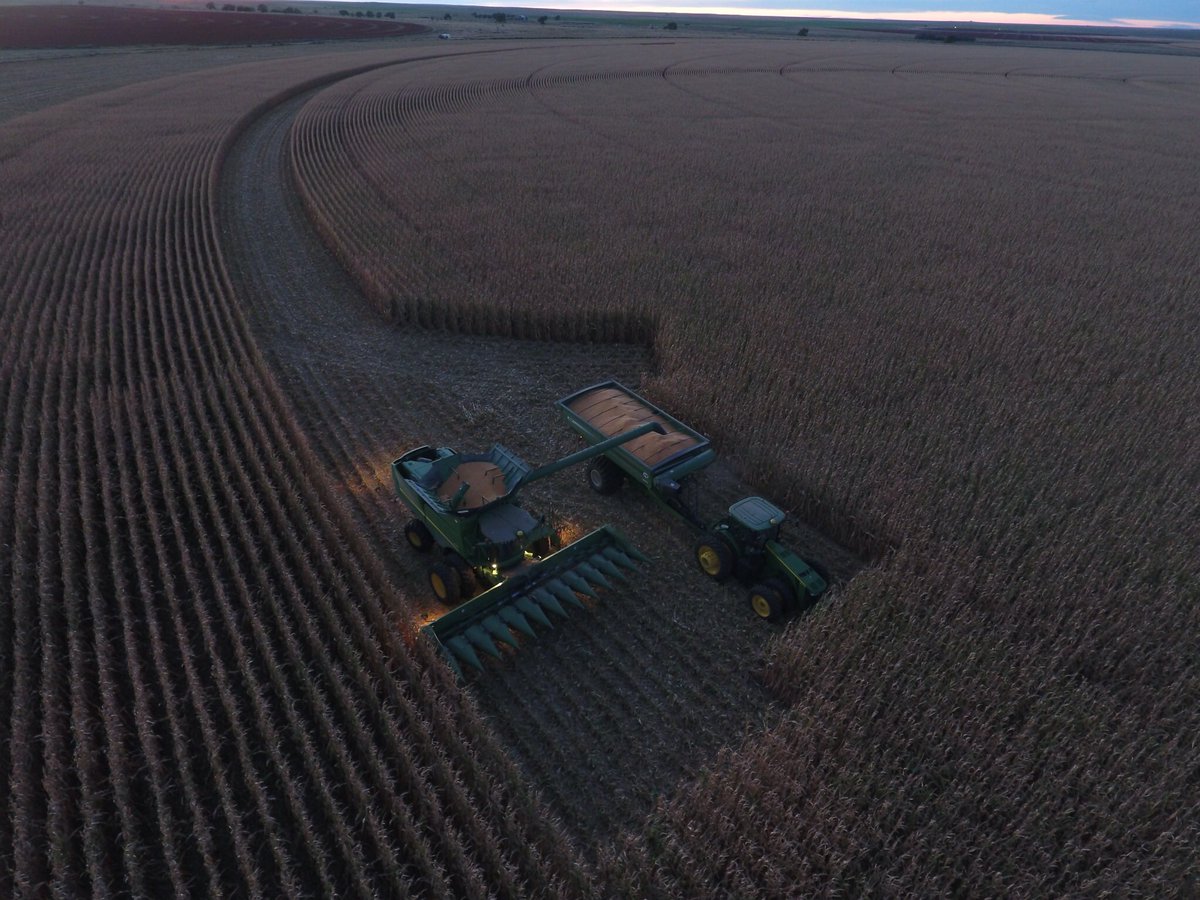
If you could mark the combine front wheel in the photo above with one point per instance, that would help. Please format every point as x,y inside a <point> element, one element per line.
<point>446,583</point>
<point>466,576</point>
<point>714,557</point>
<point>418,536</point>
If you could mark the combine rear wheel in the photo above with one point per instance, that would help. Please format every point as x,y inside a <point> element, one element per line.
<point>445,582</point>
<point>604,477</point>
<point>418,536</point>
<point>769,600</point>
<point>714,556</point>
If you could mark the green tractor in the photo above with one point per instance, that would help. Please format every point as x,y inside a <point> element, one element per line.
<point>745,544</point>
<point>484,545</point>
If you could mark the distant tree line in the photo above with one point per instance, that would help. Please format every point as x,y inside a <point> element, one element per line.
<point>262,8</point>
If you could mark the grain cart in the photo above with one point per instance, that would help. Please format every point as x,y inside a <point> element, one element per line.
<point>466,515</point>
<point>744,543</point>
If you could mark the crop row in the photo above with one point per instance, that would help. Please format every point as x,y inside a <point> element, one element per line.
<point>943,311</point>
<point>202,682</point>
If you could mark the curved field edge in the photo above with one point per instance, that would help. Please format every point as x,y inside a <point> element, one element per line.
<point>1023,669</point>
<point>41,81</point>
<point>160,506</point>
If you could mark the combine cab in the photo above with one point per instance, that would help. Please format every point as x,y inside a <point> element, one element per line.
<point>744,543</point>
<point>467,516</point>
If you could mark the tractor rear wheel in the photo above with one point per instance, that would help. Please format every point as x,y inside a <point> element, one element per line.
<point>769,600</point>
<point>714,556</point>
<point>445,582</point>
<point>604,477</point>
<point>418,536</point>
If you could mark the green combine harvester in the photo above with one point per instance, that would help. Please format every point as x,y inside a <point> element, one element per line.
<point>744,543</point>
<point>467,516</point>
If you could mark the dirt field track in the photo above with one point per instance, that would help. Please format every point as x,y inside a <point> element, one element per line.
<point>936,300</point>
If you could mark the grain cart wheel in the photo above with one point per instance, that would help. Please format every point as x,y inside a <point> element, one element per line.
<point>769,600</point>
<point>418,536</point>
<point>714,556</point>
<point>604,476</point>
<point>444,580</point>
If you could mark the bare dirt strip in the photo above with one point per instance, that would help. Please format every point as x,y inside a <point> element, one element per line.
<point>628,699</point>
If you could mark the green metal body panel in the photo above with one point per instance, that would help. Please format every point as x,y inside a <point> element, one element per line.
<point>760,556</point>
<point>534,594</point>
<point>800,576</point>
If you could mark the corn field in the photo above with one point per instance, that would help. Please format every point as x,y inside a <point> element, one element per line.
<point>204,689</point>
<point>938,301</point>
<point>941,304</point>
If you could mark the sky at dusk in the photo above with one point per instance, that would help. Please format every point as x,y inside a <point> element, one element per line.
<point>1151,13</point>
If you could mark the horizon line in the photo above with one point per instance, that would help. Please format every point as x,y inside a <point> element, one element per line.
<point>972,17</point>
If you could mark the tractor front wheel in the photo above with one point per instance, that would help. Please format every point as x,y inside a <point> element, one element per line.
<point>604,477</point>
<point>445,582</point>
<point>466,576</point>
<point>769,600</point>
<point>418,536</point>
<point>715,557</point>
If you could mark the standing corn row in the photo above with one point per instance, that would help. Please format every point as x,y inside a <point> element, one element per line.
<point>200,682</point>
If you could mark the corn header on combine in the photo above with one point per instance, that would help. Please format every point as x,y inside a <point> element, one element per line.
<point>491,552</point>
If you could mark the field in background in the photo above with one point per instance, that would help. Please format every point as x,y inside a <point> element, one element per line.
<point>27,27</point>
<point>936,299</point>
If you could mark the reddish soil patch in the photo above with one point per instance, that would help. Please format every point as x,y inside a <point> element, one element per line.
<point>31,27</point>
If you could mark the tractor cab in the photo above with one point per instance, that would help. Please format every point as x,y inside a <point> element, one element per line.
<point>756,521</point>
<point>738,543</point>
